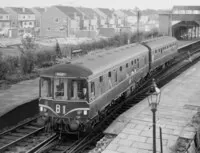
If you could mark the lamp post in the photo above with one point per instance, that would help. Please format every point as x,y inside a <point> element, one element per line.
<point>154,100</point>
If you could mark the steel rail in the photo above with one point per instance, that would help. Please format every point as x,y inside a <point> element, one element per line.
<point>43,144</point>
<point>20,139</point>
<point>18,126</point>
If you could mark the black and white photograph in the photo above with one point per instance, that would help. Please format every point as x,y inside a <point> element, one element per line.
<point>107,76</point>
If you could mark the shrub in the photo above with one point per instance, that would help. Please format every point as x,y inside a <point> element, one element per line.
<point>3,69</point>
<point>58,50</point>
<point>12,63</point>
<point>17,77</point>
<point>27,62</point>
<point>45,58</point>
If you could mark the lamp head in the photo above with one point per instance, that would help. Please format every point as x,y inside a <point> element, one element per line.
<point>154,95</point>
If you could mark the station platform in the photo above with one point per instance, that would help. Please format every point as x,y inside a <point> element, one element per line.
<point>179,102</point>
<point>18,94</point>
<point>183,43</point>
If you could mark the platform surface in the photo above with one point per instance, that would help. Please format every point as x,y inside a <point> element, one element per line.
<point>184,43</point>
<point>179,102</point>
<point>18,94</point>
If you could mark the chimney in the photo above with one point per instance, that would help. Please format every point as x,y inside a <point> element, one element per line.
<point>23,9</point>
<point>45,9</point>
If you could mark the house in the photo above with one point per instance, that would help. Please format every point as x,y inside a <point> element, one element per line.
<point>90,18</point>
<point>101,18</point>
<point>60,21</point>
<point>110,17</point>
<point>131,18</point>
<point>38,15</point>
<point>121,18</point>
<point>4,22</point>
<point>21,18</point>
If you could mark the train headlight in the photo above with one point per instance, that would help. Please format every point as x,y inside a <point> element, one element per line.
<point>41,108</point>
<point>84,112</point>
<point>79,112</point>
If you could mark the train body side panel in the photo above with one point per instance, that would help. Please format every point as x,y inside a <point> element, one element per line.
<point>164,57</point>
<point>105,99</point>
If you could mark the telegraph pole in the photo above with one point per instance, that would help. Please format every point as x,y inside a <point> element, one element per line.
<point>138,22</point>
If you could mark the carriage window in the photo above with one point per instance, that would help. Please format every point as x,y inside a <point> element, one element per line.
<point>46,87</point>
<point>109,74</point>
<point>132,62</point>
<point>101,79</point>
<point>59,87</point>
<point>127,65</point>
<point>120,68</point>
<point>135,61</point>
<point>92,88</point>
<point>155,51</point>
<point>78,89</point>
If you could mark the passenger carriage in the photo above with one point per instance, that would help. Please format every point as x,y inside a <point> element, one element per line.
<point>162,51</point>
<point>74,95</point>
<point>76,92</point>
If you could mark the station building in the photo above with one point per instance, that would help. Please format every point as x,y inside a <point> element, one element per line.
<point>182,22</point>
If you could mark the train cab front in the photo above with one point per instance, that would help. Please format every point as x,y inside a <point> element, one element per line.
<point>64,101</point>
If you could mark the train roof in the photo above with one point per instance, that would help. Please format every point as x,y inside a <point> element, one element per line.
<point>159,42</point>
<point>91,65</point>
<point>96,63</point>
<point>107,59</point>
<point>67,70</point>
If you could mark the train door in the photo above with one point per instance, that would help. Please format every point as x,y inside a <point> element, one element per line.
<point>138,63</point>
<point>115,77</point>
<point>101,85</point>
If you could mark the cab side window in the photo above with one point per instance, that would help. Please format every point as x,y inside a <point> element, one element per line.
<point>92,88</point>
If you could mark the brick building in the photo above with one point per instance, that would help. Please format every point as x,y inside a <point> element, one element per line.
<point>60,21</point>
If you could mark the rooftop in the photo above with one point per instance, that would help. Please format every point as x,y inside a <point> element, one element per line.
<point>179,7</point>
<point>106,11</point>
<point>90,13</point>
<point>21,10</point>
<point>129,12</point>
<point>39,9</point>
<point>69,10</point>
<point>2,11</point>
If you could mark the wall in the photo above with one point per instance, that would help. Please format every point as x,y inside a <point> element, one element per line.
<point>165,24</point>
<point>23,17</point>
<point>27,24</point>
<point>13,17</point>
<point>49,26</point>
<point>38,16</point>
<point>4,17</point>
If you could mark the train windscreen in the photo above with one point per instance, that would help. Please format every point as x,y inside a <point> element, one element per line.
<point>64,88</point>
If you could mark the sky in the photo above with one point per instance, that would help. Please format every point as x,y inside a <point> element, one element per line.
<point>116,4</point>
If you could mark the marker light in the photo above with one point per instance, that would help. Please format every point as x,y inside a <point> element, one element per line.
<point>41,108</point>
<point>85,112</point>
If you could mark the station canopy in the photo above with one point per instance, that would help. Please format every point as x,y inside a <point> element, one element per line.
<point>186,24</point>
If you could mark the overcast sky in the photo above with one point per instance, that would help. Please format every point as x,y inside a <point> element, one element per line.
<point>116,4</point>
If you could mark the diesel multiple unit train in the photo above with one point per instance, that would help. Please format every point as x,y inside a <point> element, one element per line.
<point>73,95</point>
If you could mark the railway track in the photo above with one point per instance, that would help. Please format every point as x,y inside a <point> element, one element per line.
<point>26,137</point>
<point>30,138</point>
<point>163,77</point>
